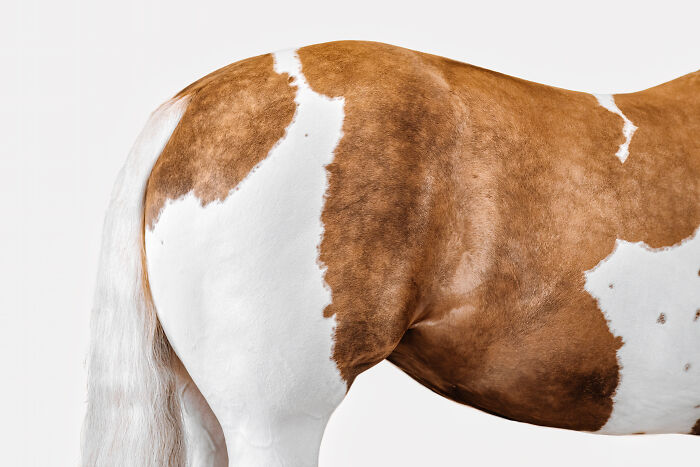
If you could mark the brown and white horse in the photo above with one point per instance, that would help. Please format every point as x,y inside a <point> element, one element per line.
<point>290,220</point>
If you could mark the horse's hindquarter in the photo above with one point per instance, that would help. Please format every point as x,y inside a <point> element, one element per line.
<point>461,211</point>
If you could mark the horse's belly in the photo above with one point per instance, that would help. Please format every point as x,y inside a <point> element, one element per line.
<point>621,358</point>
<point>651,299</point>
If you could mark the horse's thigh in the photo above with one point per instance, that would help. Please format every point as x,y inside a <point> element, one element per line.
<point>270,387</point>
<point>241,301</point>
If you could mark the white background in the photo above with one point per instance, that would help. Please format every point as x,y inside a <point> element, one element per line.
<point>79,78</point>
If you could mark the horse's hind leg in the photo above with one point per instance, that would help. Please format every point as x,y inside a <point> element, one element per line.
<point>243,309</point>
<point>204,438</point>
<point>268,384</point>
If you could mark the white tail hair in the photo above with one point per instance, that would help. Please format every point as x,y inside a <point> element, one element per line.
<point>133,411</point>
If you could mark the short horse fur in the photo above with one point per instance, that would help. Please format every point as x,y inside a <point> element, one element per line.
<point>290,220</point>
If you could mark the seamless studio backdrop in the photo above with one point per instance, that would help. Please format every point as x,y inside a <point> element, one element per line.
<point>80,77</point>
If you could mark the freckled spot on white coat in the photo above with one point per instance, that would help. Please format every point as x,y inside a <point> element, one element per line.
<point>652,307</point>
<point>628,129</point>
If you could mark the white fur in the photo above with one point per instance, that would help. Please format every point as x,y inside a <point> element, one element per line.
<point>132,418</point>
<point>658,392</point>
<point>240,291</point>
<point>628,129</point>
<point>203,437</point>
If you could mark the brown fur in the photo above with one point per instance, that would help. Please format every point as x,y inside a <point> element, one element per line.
<point>234,117</point>
<point>463,208</point>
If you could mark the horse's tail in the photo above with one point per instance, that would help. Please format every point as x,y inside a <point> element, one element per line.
<point>133,412</point>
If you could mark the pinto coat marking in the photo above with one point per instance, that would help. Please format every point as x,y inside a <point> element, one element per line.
<point>242,306</point>
<point>509,191</point>
<point>650,297</point>
<point>475,202</point>
<point>240,111</point>
<point>608,101</point>
<point>458,222</point>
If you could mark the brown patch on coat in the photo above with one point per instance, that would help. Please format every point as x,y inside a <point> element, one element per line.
<point>399,125</point>
<point>661,319</point>
<point>464,207</point>
<point>697,315</point>
<point>234,118</point>
<point>696,428</point>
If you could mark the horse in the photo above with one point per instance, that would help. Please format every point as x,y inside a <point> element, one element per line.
<point>290,220</point>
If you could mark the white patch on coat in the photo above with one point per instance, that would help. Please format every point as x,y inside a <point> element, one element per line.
<point>240,291</point>
<point>628,129</point>
<point>650,298</point>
